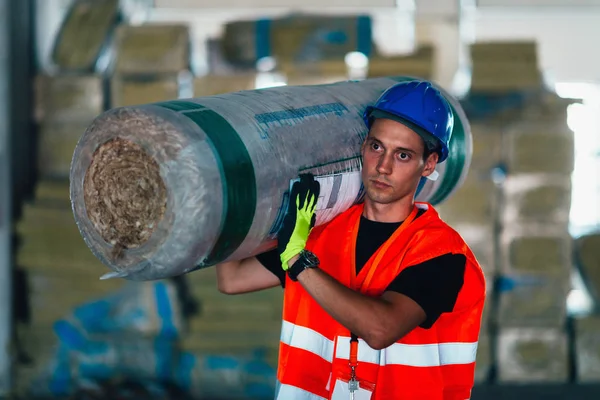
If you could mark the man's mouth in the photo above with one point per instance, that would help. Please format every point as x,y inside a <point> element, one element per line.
<point>380,184</point>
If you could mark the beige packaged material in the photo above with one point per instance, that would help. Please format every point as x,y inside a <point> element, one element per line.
<point>210,85</point>
<point>543,248</point>
<point>503,78</point>
<point>487,146</point>
<point>302,38</point>
<point>48,307</point>
<point>481,239</point>
<point>57,143</point>
<point>134,90</point>
<point>537,198</point>
<point>86,29</point>
<point>483,362</point>
<point>474,203</point>
<point>152,49</point>
<point>68,98</point>
<point>587,349</point>
<point>420,64</point>
<point>534,148</point>
<point>532,355</point>
<point>523,51</point>
<point>51,242</point>
<point>54,191</point>
<point>337,68</point>
<point>533,301</point>
<point>587,254</point>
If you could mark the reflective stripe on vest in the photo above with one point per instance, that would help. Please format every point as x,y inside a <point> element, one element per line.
<point>287,392</point>
<point>413,355</point>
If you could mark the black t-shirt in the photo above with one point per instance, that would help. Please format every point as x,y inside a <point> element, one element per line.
<point>433,284</point>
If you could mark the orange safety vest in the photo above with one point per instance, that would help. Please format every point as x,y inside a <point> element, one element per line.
<point>434,364</point>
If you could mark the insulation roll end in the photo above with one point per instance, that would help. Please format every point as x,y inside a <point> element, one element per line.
<point>124,195</point>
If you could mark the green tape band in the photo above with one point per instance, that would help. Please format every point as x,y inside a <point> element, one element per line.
<point>237,176</point>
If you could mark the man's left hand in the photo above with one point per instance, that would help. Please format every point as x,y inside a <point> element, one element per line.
<point>299,220</point>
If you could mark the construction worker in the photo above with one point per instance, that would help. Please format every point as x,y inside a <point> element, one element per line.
<point>384,301</point>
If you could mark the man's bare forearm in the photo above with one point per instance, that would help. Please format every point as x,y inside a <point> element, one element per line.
<point>370,318</point>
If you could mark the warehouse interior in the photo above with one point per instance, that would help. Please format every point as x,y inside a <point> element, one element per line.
<point>524,71</point>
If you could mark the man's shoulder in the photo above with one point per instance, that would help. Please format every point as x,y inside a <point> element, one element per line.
<point>432,223</point>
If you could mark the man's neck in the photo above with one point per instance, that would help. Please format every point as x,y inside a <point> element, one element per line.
<point>393,212</point>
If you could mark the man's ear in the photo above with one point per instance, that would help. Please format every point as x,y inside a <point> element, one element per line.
<point>430,164</point>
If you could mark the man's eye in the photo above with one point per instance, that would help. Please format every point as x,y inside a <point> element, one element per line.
<point>403,156</point>
<point>375,146</point>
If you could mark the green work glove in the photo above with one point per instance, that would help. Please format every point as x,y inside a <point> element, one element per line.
<point>299,220</point>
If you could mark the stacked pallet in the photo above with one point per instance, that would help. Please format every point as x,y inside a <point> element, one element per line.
<point>473,212</point>
<point>536,247</point>
<point>65,106</point>
<point>587,328</point>
<point>61,274</point>
<point>150,63</point>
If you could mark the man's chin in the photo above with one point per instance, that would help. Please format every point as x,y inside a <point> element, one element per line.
<point>380,198</point>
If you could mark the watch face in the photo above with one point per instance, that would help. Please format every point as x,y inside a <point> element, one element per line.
<point>311,258</point>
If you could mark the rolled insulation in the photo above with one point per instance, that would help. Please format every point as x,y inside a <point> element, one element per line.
<point>162,189</point>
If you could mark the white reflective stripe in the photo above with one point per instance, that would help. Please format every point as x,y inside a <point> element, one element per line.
<point>365,352</point>
<point>289,392</point>
<point>307,339</point>
<point>414,355</point>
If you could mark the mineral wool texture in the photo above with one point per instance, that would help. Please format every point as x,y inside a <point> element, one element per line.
<point>125,215</point>
<point>532,355</point>
<point>587,349</point>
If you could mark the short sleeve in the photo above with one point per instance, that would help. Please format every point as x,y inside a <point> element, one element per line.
<point>433,284</point>
<point>271,261</point>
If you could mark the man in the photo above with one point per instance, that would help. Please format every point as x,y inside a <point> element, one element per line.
<point>384,301</point>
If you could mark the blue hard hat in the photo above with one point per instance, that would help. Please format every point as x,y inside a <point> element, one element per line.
<point>420,106</point>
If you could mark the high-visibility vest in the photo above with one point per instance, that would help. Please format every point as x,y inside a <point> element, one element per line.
<point>434,364</point>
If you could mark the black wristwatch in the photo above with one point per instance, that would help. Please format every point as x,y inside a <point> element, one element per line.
<point>306,260</point>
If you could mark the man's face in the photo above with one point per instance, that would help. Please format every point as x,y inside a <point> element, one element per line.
<point>393,161</point>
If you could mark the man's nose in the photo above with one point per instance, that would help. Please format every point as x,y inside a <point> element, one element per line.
<point>385,164</point>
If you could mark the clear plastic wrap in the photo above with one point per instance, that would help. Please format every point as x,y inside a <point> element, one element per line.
<point>162,189</point>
